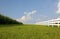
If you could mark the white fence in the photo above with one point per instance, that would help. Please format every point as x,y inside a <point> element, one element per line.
<point>54,22</point>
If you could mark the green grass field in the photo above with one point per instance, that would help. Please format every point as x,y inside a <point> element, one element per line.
<point>29,32</point>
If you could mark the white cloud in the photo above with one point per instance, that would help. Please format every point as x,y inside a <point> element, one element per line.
<point>31,13</point>
<point>42,23</point>
<point>42,19</point>
<point>34,11</point>
<point>26,17</point>
<point>58,7</point>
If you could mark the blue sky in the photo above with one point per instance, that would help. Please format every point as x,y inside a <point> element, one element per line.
<point>45,9</point>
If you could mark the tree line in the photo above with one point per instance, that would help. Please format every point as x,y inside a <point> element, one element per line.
<point>7,20</point>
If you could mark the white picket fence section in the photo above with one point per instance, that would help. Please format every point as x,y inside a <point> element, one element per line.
<point>54,22</point>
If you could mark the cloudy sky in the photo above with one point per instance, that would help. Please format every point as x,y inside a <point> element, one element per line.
<point>30,11</point>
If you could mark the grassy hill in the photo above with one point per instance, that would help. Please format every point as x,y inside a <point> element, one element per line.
<point>8,20</point>
<point>29,32</point>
